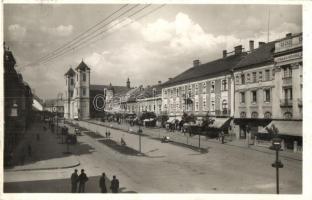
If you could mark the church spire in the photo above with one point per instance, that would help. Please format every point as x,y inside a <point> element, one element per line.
<point>128,83</point>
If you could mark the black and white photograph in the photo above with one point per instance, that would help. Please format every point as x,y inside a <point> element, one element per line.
<point>154,98</point>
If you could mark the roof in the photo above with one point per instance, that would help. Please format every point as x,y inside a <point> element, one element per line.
<point>260,55</point>
<point>8,57</point>
<point>117,89</point>
<point>206,70</point>
<point>82,66</point>
<point>35,96</point>
<point>293,128</point>
<point>70,72</point>
<point>53,102</point>
<point>148,92</point>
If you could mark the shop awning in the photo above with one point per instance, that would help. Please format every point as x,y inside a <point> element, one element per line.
<point>220,123</point>
<point>292,128</point>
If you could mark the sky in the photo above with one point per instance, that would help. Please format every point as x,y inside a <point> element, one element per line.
<point>154,48</point>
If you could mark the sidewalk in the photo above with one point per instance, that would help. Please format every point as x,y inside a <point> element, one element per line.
<point>194,140</point>
<point>46,153</point>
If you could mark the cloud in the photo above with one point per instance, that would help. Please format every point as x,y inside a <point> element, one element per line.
<point>60,30</point>
<point>16,32</point>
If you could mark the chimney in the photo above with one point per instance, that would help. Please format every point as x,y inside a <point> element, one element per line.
<point>224,53</point>
<point>159,82</point>
<point>251,45</point>
<point>261,44</point>
<point>238,49</point>
<point>288,35</point>
<point>196,63</point>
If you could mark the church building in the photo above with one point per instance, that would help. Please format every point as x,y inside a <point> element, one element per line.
<point>83,100</point>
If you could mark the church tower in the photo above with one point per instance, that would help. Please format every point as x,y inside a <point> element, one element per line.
<point>128,83</point>
<point>69,91</point>
<point>82,92</point>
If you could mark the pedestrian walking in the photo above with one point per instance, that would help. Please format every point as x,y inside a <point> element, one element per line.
<point>82,181</point>
<point>102,183</point>
<point>114,185</point>
<point>29,150</point>
<point>74,181</point>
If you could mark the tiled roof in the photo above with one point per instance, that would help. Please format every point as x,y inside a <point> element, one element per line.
<point>82,66</point>
<point>148,92</point>
<point>206,70</point>
<point>118,90</point>
<point>70,72</point>
<point>260,55</point>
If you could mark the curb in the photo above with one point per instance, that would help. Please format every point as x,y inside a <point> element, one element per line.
<point>43,168</point>
<point>190,146</point>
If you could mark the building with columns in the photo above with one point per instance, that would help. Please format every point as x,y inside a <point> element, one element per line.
<point>268,88</point>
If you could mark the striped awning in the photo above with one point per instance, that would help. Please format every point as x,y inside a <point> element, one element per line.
<point>292,128</point>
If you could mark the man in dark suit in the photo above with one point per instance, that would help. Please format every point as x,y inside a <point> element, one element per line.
<point>82,181</point>
<point>74,181</point>
<point>114,185</point>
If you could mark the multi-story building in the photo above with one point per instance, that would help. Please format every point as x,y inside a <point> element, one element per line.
<point>254,89</point>
<point>150,100</point>
<point>287,108</point>
<point>268,88</point>
<point>18,101</point>
<point>203,89</point>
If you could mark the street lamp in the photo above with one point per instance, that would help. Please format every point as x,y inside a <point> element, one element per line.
<point>276,145</point>
<point>140,134</point>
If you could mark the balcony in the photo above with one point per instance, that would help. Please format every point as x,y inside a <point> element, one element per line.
<point>286,103</point>
<point>287,81</point>
<point>300,102</point>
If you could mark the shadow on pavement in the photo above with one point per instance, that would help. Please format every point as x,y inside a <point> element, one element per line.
<point>121,149</point>
<point>93,134</point>
<point>47,148</point>
<point>57,186</point>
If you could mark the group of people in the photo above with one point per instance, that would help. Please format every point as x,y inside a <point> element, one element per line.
<point>81,179</point>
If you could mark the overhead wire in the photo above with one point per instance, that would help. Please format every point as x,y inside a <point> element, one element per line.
<point>100,33</point>
<point>83,33</point>
<point>78,39</point>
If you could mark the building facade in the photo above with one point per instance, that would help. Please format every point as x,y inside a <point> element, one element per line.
<point>18,100</point>
<point>268,89</point>
<point>77,93</point>
<point>84,100</point>
<point>204,89</point>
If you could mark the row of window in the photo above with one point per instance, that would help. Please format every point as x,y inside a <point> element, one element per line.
<point>177,106</point>
<point>254,96</point>
<point>267,115</point>
<point>254,77</point>
<point>186,91</point>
